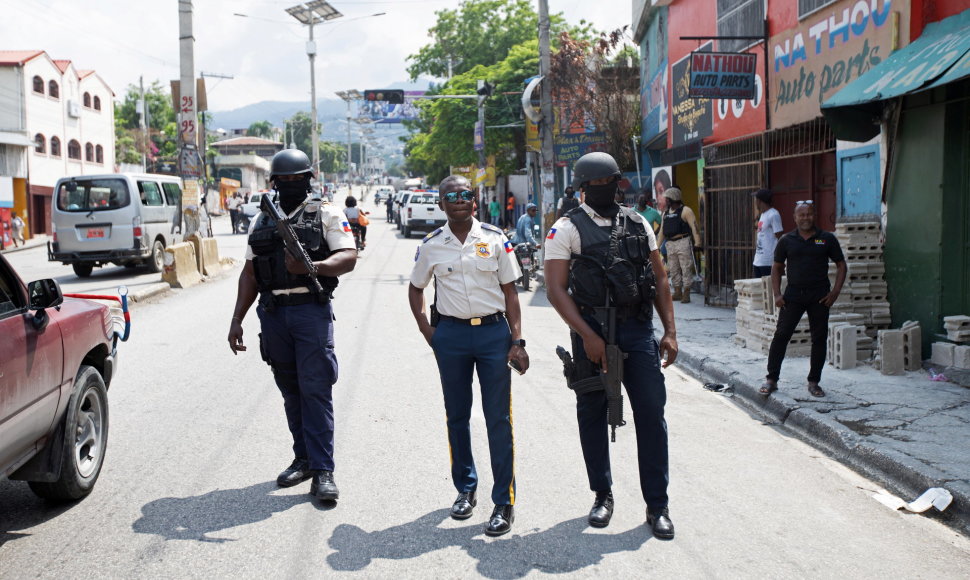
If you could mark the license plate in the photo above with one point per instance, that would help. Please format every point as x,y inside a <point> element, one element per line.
<point>95,233</point>
<point>526,261</point>
<point>429,222</point>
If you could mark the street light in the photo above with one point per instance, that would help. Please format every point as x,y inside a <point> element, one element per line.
<point>348,96</point>
<point>311,13</point>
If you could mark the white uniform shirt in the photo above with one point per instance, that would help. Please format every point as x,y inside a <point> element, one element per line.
<point>563,238</point>
<point>769,224</point>
<point>336,229</point>
<point>468,275</point>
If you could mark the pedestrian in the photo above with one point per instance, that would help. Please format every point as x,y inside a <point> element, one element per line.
<point>234,203</point>
<point>580,248</point>
<point>568,194</point>
<point>389,205</point>
<point>510,210</point>
<point>769,230</point>
<point>650,215</point>
<point>495,212</point>
<point>475,325</point>
<point>296,322</point>
<point>17,226</point>
<point>678,229</point>
<point>803,254</point>
<point>523,228</point>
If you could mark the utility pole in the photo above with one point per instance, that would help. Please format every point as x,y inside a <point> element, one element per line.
<point>189,160</point>
<point>482,95</point>
<point>311,50</point>
<point>143,123</point>
<point>547,176</point>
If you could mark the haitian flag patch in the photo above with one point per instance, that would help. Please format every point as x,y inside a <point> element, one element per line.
<point>508,247</point>
<point>552,234</point>
<point>346,226</point>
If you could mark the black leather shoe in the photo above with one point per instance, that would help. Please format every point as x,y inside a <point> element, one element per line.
<point>663,528</point>
<point>323,486</point>
<point>463,506</point>
<point>602,512</point>
<point>501,521</point>
<point>297,472</point>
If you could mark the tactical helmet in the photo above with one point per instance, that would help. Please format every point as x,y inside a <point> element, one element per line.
<point>289,162</point>
<point>594,165</point>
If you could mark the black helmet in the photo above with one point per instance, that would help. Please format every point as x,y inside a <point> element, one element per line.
<point>594,165</point>
<point>289,162</point>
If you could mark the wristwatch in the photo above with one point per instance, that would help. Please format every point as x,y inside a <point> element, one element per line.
<point>519,342</point>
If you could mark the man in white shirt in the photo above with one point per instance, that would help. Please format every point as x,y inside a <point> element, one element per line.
<point>769,230</point>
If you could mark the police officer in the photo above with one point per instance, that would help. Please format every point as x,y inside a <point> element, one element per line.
<point>679,229</point>
<point>475,325</point>
<point>297,323</point>
<point>580,248</point>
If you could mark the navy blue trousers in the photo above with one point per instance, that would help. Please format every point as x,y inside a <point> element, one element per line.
<point>461,349</point>
<point>647,395</point>
<point>298,341</point>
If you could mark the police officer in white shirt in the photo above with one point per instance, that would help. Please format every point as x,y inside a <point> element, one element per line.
<point>475,325</point>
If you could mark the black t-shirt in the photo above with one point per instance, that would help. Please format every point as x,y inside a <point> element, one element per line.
<point>807,261</point>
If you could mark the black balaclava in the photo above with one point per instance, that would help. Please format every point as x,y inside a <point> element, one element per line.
<point>292,193</point>
<point>602,198</point>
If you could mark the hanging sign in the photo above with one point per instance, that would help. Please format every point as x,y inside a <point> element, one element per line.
<point>722,75</point>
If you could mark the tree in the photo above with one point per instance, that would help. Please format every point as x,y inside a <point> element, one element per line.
<point>260,129</point>
<point>130,139</point>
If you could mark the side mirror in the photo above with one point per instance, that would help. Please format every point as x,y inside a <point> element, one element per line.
<point>44,294</point>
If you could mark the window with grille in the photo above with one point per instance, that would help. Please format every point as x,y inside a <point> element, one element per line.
<point>99,154</point>
<point>55,147</point>
<point>87,100</point>
<point>806,7</point>
<point>38,85</point>
<point>97,103</point>
<point>53,89</point>
<point>89,152</point>
<point>74,149</point>
<point>739,18</point>
<point>40,144</point>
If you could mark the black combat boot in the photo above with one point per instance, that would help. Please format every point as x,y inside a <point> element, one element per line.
<point>323,486</point>
<point>660,522</point>
<point>297,472</point>
<point>602,512</point>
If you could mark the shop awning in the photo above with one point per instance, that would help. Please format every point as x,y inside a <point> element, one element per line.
<point>939,56</point>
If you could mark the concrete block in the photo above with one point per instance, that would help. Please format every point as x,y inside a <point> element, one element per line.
<point>961,357</point>
<point>844,347</point>
<point>181,269</point>
<point>956,322</point>
<point>890,346</point>
<point>912,345</point>
<point>943,353</point>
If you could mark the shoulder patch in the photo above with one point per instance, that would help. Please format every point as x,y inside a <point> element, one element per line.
<point>492,228</point>
<point>428,237</point>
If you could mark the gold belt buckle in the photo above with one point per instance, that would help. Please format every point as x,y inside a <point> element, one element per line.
<point>476,321</point>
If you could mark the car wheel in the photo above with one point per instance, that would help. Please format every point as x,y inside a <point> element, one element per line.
<point>406,231</point>
<point>85,440</point>
<point>82,270</point>
<point>157,260</point>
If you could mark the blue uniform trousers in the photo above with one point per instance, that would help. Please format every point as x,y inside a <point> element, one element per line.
<point>647,395</point>
<point>298,343</point>
<point>460,349</point>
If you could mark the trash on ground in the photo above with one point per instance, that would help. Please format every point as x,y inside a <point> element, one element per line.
<point>933,497</point>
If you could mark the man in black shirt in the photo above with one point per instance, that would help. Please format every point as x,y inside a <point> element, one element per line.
<point>807,251</point>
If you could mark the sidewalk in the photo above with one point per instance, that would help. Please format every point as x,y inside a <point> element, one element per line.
<point>906,432</point>
<point>37,240</point>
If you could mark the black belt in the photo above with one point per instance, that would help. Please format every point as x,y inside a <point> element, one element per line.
<point>491,318</point>
<point>679,237</point>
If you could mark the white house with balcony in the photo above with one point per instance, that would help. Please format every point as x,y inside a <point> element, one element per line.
<point>66,116</point>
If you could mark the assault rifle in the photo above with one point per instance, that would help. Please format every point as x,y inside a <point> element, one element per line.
<point>581,376</point>
<point>292,243</point>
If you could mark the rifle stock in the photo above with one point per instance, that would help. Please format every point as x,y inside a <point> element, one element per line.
<point>291,242</point>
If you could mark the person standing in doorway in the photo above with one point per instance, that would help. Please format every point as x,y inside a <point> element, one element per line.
<point>769,230</point>
<point>510,210</point>
<point>650,215</point>
<point>679,230</point>
<point>804,255</point>
<point>495,212</point>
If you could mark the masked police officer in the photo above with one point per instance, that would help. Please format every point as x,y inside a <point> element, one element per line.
<point>597,252</point>
<point>297,321</point>
<point>475,325</point>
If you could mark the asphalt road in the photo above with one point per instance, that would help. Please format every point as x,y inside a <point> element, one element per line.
<point>198,436</point>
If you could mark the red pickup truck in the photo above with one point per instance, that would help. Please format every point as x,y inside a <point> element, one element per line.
<point>57,358</point>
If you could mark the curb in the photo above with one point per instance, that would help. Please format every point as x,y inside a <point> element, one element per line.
<point>149,291</point>
<point>901,474</point>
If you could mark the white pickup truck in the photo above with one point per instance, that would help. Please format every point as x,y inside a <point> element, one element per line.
<point>421,213</point>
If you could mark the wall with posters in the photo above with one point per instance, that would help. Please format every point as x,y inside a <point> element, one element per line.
<point>653,78</point>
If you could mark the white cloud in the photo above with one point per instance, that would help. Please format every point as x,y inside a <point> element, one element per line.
<point>123,39</point>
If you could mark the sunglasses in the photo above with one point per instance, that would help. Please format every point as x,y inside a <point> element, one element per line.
<point>804,202</point>
<point>453,196</point>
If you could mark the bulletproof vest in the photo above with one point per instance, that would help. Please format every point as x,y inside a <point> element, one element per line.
<point>673,224</point>
<point>269,262</point>
<point>620,268</point>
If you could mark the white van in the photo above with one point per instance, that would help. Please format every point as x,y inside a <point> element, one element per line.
<point>119,218</point>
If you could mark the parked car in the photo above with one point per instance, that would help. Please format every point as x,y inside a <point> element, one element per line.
<point>120,218</point>
<point>57,360</point>
<point>399,201</point>
<point>421,213</point>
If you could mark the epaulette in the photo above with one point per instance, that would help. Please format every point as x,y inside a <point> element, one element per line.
<point>431,235</point>
<point>492,228</point>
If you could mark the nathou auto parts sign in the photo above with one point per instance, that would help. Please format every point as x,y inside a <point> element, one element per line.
<point>722,75</point>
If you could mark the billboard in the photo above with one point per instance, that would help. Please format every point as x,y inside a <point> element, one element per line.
<point>384,112</point>
<point>723,75</point>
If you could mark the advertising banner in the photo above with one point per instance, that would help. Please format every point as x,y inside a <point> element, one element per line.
<point>661,180</point>
<point>828,50</point>
<point>722,75</point>
<point>383,112</point>
<point>570,147</point>
<point>479,136</point>
<point>691,118</point>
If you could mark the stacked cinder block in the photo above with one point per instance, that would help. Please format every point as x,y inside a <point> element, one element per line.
<point>948,354</point>
<point>957,328</point>
<point>865,291</point>
<point>756,318</point>
<point>891,347</point>
<point>841,344</point>
<point>912,345</point>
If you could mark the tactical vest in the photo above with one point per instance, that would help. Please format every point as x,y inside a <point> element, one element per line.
<point>269,262</point>
<point>622,269</point>
<point>674,225</point>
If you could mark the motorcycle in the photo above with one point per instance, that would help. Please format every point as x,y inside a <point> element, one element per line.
<point>525,253</point>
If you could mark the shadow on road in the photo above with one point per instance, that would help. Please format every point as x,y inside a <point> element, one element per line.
<point>193,518</point>
<point>20,509</point>
<point>563,548</point>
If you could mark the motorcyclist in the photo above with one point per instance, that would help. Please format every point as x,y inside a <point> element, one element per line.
<point>523,227</point>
